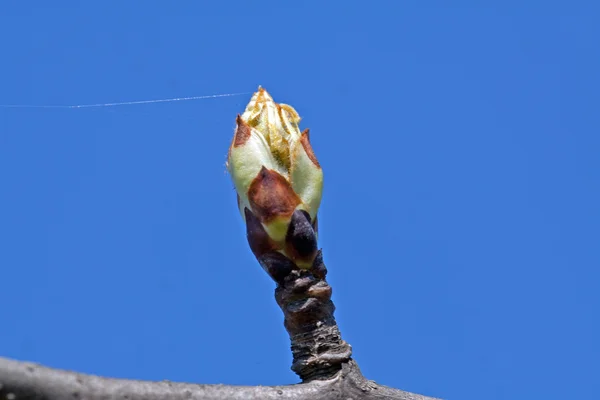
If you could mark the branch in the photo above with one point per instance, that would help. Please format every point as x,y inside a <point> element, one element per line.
<point>28,381</point>
<point>321,358</point>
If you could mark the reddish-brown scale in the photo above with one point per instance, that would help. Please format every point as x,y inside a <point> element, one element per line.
<point>242,132</point>
<point>308,148</point>
<point>271,196</point>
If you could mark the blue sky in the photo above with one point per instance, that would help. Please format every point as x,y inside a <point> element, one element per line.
<point>460,221</point>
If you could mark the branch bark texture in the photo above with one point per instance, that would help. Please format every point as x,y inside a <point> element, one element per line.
<point>317,346</point>
<point>28,381</point>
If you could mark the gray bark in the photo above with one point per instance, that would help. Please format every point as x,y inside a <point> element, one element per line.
<point>21,380</point>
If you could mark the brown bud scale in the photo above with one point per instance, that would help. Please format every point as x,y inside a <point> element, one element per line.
<point>271,196</point>
<point>242,132</point>
<point>308,148</point>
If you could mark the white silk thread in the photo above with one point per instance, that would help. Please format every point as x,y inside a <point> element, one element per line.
<point>124,103</point>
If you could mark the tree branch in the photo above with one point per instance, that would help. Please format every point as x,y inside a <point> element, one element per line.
<point>28,381</point>
<point>304,296</point>
<point>321,358</point>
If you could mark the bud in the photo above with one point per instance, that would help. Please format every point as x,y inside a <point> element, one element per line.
<point>278,180</point>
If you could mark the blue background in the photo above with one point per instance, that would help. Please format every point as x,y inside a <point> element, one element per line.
<point>461,212</point>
